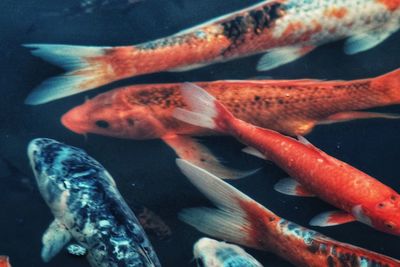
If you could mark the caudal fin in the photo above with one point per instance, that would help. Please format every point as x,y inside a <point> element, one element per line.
<point>238,218</point>
<point>205,112</point>
<point>85,65</point>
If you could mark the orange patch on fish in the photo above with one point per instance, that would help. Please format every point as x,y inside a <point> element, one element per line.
<point>336,12</point>
<point>391,5</point>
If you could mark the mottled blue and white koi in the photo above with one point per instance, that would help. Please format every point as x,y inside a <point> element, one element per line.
<point>241,220</point>
<point>212,253</point>
<point>87,207</point>
<point>285,30</point>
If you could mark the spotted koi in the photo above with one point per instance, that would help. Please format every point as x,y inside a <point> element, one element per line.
<point>283,29</point>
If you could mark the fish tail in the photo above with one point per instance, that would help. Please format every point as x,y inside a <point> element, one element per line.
<point>390,84</point>
<point>237,219</point>
<point>87,67</point>
<point>205,111</point>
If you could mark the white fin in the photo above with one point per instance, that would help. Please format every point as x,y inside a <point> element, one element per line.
<point>304,140</point>
<point>291,187</point>
<point>280,56</point>
<point>206,110</point>
<point>230,222</point>
<point>359,214</point>
<point>82,74</point>
<point>365,41</point>
<point>202,105</point>
<point>356,115</point>
<point>332,218</point>
<point>54,239</point>
<point>190,67</point>
<point>193,151</point>
<point>254,152</point>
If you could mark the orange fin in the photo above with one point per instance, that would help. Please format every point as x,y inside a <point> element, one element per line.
<point>291,187</point>
<point>191,150</point>
<point>355,115</point>
<point>237,217</point>
<point>332,218</point>
<point>86,66</point>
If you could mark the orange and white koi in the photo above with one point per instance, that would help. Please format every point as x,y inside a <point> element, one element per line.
<point>241,220</point>
<point>285,29</point>
<point>4,261</point>
<point>361,197</point>
<point>291,107</point>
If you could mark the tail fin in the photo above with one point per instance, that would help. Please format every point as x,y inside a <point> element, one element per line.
<point>390,83</point>
<point>206,111</point>
<point>86,68</point>
<point>238,218</point>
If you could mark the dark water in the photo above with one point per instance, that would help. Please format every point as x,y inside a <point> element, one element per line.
<point>145,171</point>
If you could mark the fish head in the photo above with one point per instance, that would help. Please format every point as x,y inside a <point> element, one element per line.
<point>112,116</point>
<point>384,216</point>
<point>210,252</point>
<point>62,171</point>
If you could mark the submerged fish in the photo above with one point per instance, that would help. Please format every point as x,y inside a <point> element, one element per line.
<point>91,6</point>
<point>286,29</point>
<point>240,219</point>
<point>4,261</point>
<point>211,253</point>
<point>87,207</point>
<point>361,198</point>
<point>292,107</point>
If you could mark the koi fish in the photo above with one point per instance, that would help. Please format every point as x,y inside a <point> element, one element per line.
<point>87,207</point>
<point>241,220</point>
<point>4,261</point>
<point>292,107</point>
<point>315,173</point>
<point>211,253</point>
<point>285,29</point>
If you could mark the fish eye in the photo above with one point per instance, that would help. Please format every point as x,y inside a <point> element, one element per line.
<point>130,122</point>
<point>102,124</point>
<point>389,225</point>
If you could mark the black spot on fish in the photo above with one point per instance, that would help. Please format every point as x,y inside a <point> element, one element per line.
<point>257,98</point>
<point>102,124</point>
<point>313,247</point>
<point>331,261</point>
<point>235,29</point>
<point>130,122</point>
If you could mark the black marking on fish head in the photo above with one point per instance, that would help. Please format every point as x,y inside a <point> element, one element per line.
<point>58,168</point>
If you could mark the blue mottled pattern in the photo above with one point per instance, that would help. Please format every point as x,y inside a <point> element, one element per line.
<point>101,220</point>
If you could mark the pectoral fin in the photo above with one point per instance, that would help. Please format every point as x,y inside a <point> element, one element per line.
<point>191,150</point>
<point>254,152</point>
<point>280,56</point>
<point>332,218</point>
<point>54,239</point>
<point>365,41</point>
<point>356,115</point>
<point>291,187</point>
<point>188,68</point>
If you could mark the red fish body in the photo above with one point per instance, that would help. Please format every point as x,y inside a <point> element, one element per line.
<point>240,219</point>
<point>361,196</point>
<point>291,107</point>
<point>285,29</point>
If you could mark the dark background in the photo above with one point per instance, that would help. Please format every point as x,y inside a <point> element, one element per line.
<point>145,171</point>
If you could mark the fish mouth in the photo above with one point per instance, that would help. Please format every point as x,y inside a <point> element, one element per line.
<point>74,121</point>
